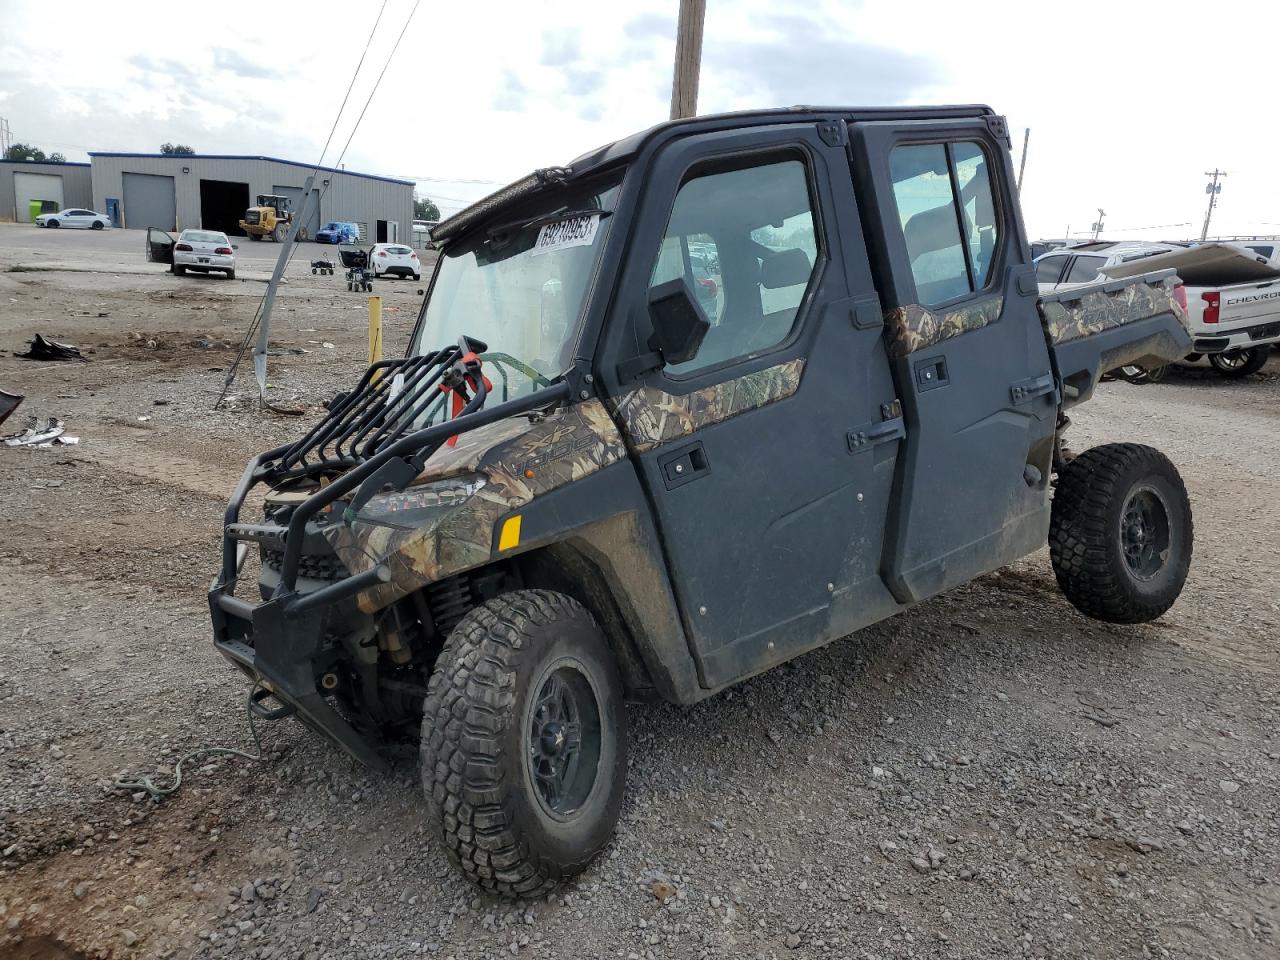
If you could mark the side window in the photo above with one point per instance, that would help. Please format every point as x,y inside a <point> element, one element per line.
<point>947,212</point>
<point>978,207</point>
<point>746,243</point>
<point>1048,269</point>
<point>1085,269</point>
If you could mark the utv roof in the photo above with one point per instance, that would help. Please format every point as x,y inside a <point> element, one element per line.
<point>626,148</point>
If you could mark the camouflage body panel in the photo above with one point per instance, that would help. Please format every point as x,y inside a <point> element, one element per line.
<point>651,417</point>
<point>519,459</point>
<point>1086,312</point>
<point>913,327</point>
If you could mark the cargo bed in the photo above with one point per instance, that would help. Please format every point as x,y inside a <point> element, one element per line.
<point>1101,326</point>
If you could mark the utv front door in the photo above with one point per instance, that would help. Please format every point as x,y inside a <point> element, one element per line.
<point>159,246</point>
<point>769,457</point>
<point>967,350</point>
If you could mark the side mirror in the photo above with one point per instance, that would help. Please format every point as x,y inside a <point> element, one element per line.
<point>235,246</point>
<point>679,323</point>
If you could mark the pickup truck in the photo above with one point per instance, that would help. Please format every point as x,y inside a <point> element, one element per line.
<point>1233,301</point>
<point>1232,292</point>
<point>587,481</point>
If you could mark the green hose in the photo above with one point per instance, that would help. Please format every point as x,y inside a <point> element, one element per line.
<point>147,785</point>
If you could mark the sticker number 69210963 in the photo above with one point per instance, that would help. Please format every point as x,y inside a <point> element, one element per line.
<point>570,232</point>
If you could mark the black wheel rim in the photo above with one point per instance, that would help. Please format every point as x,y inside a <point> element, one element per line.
<point>563,739</point>
<point>1144,533</point>
<point>1233,360</point>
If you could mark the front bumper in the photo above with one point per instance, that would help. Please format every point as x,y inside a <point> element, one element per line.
<point>1242,338</point>
<point>279,644</point>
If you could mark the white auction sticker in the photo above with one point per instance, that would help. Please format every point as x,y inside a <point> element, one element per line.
<point>571,232</point>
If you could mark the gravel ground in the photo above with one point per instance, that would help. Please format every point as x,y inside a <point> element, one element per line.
<point>988,775</point>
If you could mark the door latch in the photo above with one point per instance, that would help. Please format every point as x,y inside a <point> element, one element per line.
<point>874,434</point>
<point>1024,391</point>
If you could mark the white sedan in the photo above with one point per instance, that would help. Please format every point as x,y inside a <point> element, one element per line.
<point>395,259</point>
<point>203,250</point>
<point>74,217</point>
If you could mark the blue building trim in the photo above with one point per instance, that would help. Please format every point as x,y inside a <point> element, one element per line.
<point>49,163</point>
<point>236,156</point>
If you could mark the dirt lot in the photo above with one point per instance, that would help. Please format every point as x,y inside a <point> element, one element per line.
<point>990,775</point>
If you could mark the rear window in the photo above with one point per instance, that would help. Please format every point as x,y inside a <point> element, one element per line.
<point>1047,270</point>
<point>204,236</point>
<point>1085,269</point>
<point>399,251</point>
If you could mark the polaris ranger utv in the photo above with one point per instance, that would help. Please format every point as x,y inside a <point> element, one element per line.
<point>701,401</point>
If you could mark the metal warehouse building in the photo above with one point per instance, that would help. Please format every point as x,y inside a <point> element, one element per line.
<point>67,184</point>
<point>140,190</point>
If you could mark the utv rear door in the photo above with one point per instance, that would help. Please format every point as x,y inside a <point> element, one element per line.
<point>965,342</point>
<point>768,458</point>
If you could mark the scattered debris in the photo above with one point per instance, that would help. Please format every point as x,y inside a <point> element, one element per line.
<point>663,890</point>
<point>8,403</point>
<point>42,348</point>
<point>41,432</point>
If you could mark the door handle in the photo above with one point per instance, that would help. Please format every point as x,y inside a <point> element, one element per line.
<point>1024,391</point>
<point>681,466</point>
<point>874,434</point>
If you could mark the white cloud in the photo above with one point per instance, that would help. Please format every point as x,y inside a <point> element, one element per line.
<point>1129,102</point>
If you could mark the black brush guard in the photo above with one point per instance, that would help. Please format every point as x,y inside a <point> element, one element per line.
<point>368,439</point>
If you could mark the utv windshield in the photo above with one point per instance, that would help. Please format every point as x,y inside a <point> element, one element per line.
<point>518,285</point>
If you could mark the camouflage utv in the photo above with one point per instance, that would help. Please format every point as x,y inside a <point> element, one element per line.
<point>703,400</point>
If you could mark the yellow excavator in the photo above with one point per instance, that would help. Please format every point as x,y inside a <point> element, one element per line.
<point>270,218</point>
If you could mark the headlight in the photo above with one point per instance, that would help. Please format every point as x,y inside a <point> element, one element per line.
<point>415,506</point>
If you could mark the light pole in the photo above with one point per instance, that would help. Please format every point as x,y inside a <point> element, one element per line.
<point>1212,188</point>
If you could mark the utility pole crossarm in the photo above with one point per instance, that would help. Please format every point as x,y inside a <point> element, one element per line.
<point>1212,188</point>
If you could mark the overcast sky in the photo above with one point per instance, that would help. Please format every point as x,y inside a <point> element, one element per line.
<point>1129,102</point>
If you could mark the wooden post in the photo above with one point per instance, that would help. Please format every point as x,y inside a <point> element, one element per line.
<point>684,84</point>
<point>1022,167</point>
<point>375,331</point>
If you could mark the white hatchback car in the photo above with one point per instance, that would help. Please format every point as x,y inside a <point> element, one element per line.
<point>395,259</point>
<point>203,250</point>
<point>74,217</point>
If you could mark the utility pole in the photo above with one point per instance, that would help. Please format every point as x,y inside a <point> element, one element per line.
<point>684,84</point>
<point>6,137</point>
<point>1212,188</point>
<point>1097,227</point>
<point>1026,139</point>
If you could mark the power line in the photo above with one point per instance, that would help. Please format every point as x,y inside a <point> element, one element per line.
<point>414,176</point>
<point>258,314</point>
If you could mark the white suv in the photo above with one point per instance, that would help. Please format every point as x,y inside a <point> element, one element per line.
<point>1073,266</point>
<point>395,259</point>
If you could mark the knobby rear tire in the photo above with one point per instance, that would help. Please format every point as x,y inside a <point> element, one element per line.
<point>1087,533</point>
<point>477,766</point>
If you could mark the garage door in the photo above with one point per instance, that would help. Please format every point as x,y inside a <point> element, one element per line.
<point>312,223</point>
<point>35,186</point>
<point>149,202</point>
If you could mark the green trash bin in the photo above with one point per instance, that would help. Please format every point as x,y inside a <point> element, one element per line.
<point>38,207</point>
